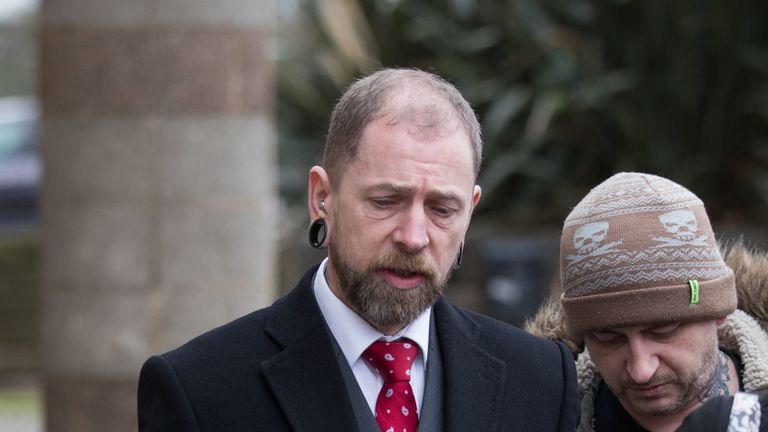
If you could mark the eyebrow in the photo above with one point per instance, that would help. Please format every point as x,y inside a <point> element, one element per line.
<point>400,189</point>
<point>391,188</point>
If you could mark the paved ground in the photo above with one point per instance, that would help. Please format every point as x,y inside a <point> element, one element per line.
<point>21,408</point>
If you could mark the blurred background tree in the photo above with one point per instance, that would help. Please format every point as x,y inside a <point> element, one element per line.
<point>568,92</point>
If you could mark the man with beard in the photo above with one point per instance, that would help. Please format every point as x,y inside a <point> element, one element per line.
<point>366,341</point>
<point>647,292</point>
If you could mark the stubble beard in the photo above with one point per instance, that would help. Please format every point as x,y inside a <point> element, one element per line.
<point>378,303</point>
<point>691,387</point>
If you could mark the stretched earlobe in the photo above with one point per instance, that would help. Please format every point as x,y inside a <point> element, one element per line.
<point>459,257</point>
<point>318,232</point>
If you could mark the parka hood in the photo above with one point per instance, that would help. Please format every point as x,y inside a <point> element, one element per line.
<point>750,266</point>
<point>549,323</point>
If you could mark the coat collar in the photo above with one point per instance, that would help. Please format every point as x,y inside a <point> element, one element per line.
<point>305,376</point>
<point>474,379</point>
<point>312,392</point>
<point>743,334</point>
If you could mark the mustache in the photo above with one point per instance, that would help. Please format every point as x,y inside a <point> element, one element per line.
<point>406,263</point>
<point>657,379</point>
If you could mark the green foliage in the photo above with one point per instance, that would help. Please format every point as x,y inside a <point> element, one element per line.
<point>568,91</point>
<point>18,404</point>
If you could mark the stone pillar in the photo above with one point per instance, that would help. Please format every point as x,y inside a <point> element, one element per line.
<point>159,193</point>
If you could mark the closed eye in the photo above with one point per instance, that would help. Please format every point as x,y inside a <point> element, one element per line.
<point>605,337</point>
<point>663,332</point>
<point>383,203</point>
<point>444,212</point>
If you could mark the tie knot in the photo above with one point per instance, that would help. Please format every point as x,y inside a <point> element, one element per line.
<point>393,360</point>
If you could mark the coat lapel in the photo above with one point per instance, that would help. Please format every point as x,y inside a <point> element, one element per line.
<point>308,385</point>
<point>474,379</point>
<point>305,377</point>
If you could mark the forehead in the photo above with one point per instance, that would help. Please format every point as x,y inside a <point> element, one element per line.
<point>417,131</point>
<point>418,146</point>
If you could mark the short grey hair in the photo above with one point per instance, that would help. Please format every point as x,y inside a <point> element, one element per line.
<point>364,100</point>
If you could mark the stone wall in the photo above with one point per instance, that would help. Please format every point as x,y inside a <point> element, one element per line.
<point>159,198</point>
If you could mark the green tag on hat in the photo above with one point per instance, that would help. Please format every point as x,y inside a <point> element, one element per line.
<point>694,284</point>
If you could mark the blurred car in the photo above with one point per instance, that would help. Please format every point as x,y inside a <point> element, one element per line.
<point>20,166</point>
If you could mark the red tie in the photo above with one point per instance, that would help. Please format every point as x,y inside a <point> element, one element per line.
<point>395,406</point>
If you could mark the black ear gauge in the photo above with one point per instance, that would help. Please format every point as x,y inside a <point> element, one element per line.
<point>318,231</point>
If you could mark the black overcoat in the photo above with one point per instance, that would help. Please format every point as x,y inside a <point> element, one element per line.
<point>275,370</point>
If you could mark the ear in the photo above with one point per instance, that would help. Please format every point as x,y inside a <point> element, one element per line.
<point>476,192</point>
<point>319,191</point>
<point>720,321</point>
<point>476,196</point>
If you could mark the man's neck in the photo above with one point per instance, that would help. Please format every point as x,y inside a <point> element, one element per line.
<point>725,382</point>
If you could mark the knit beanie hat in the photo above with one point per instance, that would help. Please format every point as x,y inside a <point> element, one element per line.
<point>639,249</point>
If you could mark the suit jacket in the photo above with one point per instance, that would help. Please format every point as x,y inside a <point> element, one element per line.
<point>275,370</point>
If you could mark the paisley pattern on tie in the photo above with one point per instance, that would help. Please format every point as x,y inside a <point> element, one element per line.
<point>395,406</point>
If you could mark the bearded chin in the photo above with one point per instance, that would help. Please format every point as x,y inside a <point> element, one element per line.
<point>380,304</point>
<point>693,386</point>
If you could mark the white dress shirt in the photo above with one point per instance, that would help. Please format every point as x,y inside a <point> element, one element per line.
<point>354,335</point>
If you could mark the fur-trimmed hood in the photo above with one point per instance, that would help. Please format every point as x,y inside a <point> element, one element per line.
<point>549,323</point>
<point>750,268</point>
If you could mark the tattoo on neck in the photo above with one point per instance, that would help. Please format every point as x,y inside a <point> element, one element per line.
<point>719,385</point>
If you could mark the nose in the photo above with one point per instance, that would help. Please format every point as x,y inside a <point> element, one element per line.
<point>411,234</point>
<point>642,362</point>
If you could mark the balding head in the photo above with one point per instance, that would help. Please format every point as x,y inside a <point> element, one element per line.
<point>423,99</point>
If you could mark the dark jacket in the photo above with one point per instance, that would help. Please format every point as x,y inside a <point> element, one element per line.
<point>275,370</point>
<point>724,413</point>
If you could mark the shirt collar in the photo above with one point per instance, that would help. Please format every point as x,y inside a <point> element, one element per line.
<point>354,334</point>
